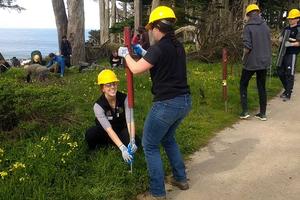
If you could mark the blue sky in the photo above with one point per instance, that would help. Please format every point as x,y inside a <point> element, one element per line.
<point>39,14</point>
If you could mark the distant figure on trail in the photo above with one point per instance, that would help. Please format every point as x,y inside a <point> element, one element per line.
<point>286,71</point>
<point>66,50</point>
<point>114,125</point>
<point>114,59</point>
<point>59,60</point>
<point>256,59</point>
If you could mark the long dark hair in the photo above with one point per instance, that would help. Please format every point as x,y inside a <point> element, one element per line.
<point>167,26</point>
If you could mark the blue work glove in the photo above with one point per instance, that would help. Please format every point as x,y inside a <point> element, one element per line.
<point>138,49</point>
<point>288,44</point>
<point>123,52</point>
<point>126,154</point>
<point>132,146</point>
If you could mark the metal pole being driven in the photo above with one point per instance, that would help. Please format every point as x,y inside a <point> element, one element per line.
<point>224,82</point>
<point>129,77</point>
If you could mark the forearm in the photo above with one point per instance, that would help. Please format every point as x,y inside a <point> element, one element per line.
<point>296,44</point>
<point>132,65</point>
<point>131,129</point>
<point>113,136</point>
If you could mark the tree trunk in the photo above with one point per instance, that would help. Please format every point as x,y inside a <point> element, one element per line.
<point>154,4</point>
<point>125,10</point>
<point>137,13</point>
<point>60,18</point>
<point>113,19</point>
<point>76,30</point>
<point>104,21</point>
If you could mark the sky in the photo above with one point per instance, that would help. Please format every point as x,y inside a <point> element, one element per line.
<point>39,14</point>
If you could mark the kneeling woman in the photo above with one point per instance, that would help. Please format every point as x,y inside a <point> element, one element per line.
<point>114,125</point>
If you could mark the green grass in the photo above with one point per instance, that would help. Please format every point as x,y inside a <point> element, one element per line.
<point>57,163</point>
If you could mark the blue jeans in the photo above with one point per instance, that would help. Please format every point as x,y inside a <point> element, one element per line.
<point>160,126</point>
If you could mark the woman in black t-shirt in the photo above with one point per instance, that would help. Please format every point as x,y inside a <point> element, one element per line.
<point>166,61</point>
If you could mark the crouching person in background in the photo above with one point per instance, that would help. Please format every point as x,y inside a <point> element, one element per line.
<point>114,125</point>
<point>37,71</point>
<point>59,60</point>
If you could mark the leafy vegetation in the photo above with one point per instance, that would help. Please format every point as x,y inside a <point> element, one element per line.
<point>52,161</point>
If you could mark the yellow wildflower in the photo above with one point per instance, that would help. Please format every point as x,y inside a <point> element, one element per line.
<point>1,152</point>
<point>3,174</point>
<point>17,165</point>
<point>44,139</point>
<point>64,137</point>
<point>73,145</point>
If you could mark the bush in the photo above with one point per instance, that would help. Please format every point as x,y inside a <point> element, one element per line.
<point>22,103</point>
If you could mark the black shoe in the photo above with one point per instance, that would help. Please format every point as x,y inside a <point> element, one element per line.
<point>244,115</point>
<point>283,95</point>
<point>261,116</point>
<point>183,185</point>
<point>286,98</point>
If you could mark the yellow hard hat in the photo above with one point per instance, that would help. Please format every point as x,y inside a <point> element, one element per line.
<point>160,12</point>
<point>36,58</point>
<point>294,13</point>
<point>107,76</point>
<point>251,7</point>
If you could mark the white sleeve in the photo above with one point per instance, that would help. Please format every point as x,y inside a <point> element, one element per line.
<point>100,115</point>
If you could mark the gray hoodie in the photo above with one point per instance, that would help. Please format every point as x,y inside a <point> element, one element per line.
<point>257,39</point>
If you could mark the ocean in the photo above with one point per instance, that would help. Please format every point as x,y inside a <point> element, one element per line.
<point>21,42</point>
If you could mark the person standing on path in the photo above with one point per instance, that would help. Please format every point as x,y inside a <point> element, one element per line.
<point>166,60</point>
<point>286,71</point>
<point>256,59</point>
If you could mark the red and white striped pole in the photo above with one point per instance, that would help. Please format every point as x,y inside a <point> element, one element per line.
<point>130,91</point>
<point>129,77</point>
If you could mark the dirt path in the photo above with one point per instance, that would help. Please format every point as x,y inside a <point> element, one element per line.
<point>257,160</point>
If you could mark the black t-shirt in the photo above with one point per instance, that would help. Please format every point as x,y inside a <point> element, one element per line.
<point>295,34</point>
<point>168,73</point>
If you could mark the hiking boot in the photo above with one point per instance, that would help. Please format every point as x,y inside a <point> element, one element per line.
<point>149,196</point>
<point>244,115</point>
<point>261,116</point>
<point>286,98</point>
<point>183,185</point>
<point>283,95</point>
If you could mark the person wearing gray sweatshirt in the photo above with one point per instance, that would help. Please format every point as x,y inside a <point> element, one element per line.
<point>256,59</point>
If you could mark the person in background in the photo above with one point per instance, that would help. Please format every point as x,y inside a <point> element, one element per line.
<point>256,59</point>
<point>37,71</point>
<point>15,62</point>
<point>3,65</point>
<point>36,58</point>
<point>286,71</point>
<point>66,50</point>
<point>144,38</point>
<point>59,60</point>
<point>114,124</point>
<point>114,59</point>
<point>166,60</point>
